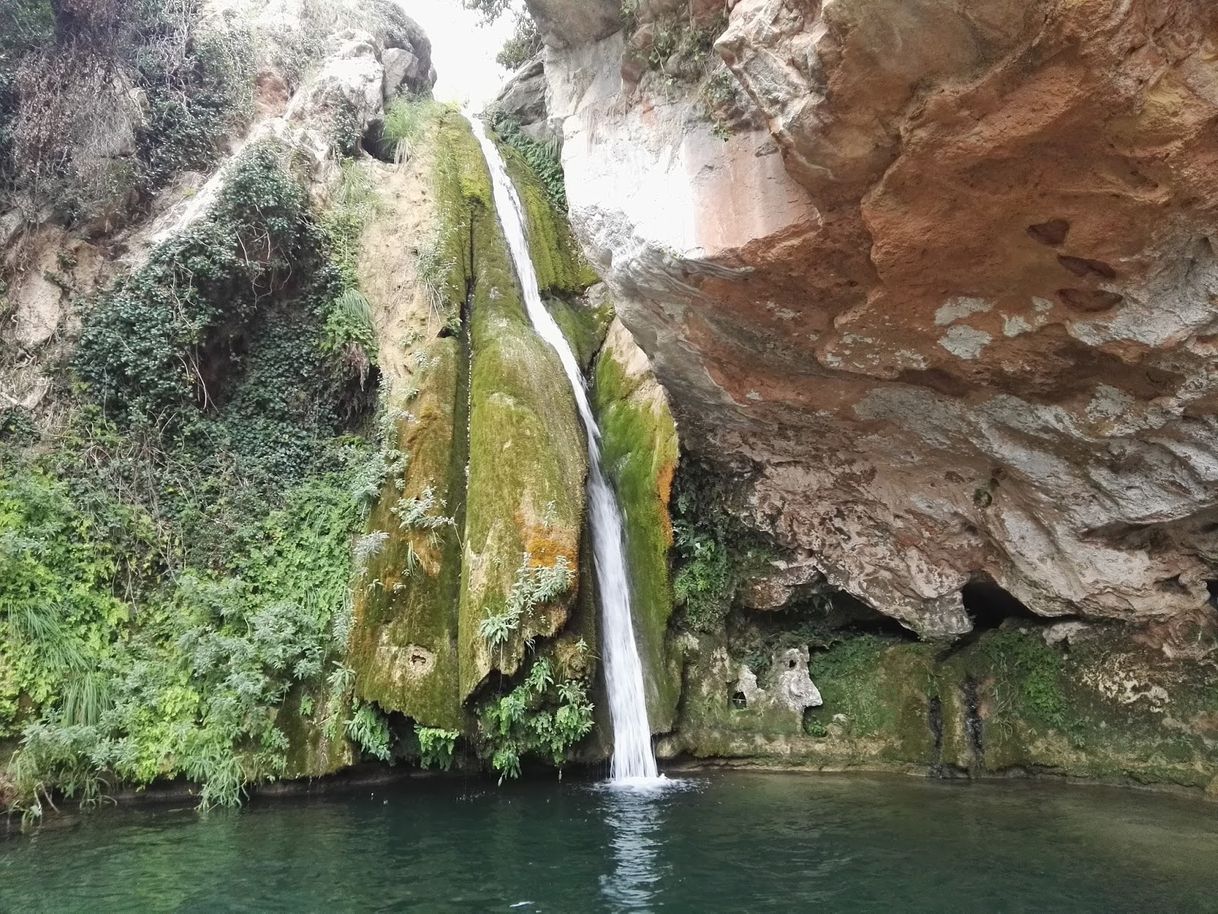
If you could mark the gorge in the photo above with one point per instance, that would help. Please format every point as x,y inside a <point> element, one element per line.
<point>817,385</point>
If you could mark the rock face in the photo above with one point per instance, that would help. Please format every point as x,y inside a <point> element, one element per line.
<point>524,100</point>
<point>955,308</point>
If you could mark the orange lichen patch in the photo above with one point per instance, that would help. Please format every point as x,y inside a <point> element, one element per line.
<point>545,546</point>
<point>664,477</point>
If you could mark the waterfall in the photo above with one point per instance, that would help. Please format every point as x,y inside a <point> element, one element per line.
<point>632,755</point>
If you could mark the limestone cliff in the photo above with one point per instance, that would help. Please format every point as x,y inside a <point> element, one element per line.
<point>931,288</point>
<point>937,279</point>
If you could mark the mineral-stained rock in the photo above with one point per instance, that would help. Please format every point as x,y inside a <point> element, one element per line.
<point>780,583</point>
<point>955,308</point>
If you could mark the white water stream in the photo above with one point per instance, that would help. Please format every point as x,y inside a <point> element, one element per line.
<point>633,759</point>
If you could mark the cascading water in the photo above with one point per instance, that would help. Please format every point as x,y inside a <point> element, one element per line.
<point>632,755</point>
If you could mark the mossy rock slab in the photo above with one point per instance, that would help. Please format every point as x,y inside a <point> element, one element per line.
<point>527,453</point>
<point>403,644</point>
<point>317,739</point>
<point>1006,703</point>
<point>562,270</point>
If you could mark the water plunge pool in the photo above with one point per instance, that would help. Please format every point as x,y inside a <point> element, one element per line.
<point>725,842</point>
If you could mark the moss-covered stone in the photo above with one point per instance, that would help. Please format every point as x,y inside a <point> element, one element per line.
<point>492,437</point>
<point>312,719</point>
<point>403,644</point>
<point>527,466</point>
<point>584,321</point>
<point>640,452</point>
<point>561,267</point>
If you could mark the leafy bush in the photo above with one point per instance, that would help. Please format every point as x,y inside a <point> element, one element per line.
<point>405,122</point>
<point>542,716</point>
<point>193,689</point>
<point>437,747</point>
<point>154,341</point>
<point>714,550</point>
<point>69,74</point>
<point>523,46</point>
<point>174,562</point>
<point>369,729</point>
<point>350,336</point>
<point>534,585</point>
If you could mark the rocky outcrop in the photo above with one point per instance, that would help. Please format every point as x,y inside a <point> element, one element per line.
<point>523,99</point>
<point>47,269</point>
<point>953,308</point>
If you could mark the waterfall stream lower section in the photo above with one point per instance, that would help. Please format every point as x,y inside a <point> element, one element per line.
<point>633,759</point>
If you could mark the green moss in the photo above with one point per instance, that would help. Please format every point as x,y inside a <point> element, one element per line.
<point>1040,709</point>
<point>403,641</point>
<point>557,258</point>
<point>527,463</point>
<point>311,718</point>
<point>639,453</point>
<point>584,324</point>
<point>881,688</point>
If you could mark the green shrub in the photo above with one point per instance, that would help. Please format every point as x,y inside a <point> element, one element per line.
<point>534,586</point>
<point>153,342</point>
<point>192,689</point>
<point>65,73</point>
<point>524,44</point>
<point>405,122</point>
<point>174,562</point>
<point>542,158</point>
<point>437,747</point>
<point>369,729</point>
<point>543,716</point>
<point>714,551</point>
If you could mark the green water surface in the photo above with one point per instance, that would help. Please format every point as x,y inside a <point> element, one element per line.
<point>726,842</point>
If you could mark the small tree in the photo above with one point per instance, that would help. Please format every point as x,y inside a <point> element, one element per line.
<point>525,41</point>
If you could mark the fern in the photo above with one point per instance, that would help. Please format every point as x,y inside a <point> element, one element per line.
<point>369,729</point>
<point>437,747</point>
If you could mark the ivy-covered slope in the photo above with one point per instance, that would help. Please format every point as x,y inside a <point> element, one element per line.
<point>176,554</point>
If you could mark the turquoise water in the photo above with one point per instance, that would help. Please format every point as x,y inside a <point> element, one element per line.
<point>729,842</point>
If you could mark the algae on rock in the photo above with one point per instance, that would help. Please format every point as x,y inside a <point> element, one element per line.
<point>640,454</point>
<point>527,457</point>
<point>1007,703</point>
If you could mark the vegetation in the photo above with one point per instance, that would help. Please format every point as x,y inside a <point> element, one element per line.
<point>175,559</point>
<point>406,121</point>
<point>534,586</point>
<point>525,42</point>
<point>153,342</point>
<point>542,158</point>
<point>101,100</point>
<point>545,716</point>
<point>678,48</point>
<point>437,747</point>
<point>523,46</point>
<point>714,550</point>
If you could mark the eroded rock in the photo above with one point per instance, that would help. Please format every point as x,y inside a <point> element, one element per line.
<point>955,307</point>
